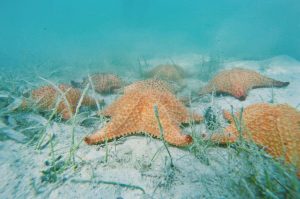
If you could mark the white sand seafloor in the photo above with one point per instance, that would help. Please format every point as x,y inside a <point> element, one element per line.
<point>138,166</point>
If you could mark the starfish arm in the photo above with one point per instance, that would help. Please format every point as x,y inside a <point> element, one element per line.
<point>66,115</point>
<point>192,117</point>
<point>122,124</point>
<point>89,101</point>
<point>107,133</point>
<point>65,111</point>
<point>280,84</point>
<point>196,117</point>
<point>177,138</point>
<point>262,81</point>
<point>228,136</point>
<point>116,128</point>
<point>172,132</point>
<point>227,115</point>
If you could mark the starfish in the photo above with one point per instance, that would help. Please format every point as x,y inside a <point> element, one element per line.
<point>158,85</point>
<point>238,81</point>
<point>276,127</point>
<point>104,83</point>
<point>133,113</point>
<point>46,97</point>
<point>167,72</point>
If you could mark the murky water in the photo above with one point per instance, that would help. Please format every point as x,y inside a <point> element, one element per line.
<point>70,68</point>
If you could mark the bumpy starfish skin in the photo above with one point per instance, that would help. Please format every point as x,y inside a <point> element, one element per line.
<point>133,113</point>
<point>103,83</point>
<point>167,72</point>
<point>238,81</point>
<point>156,84</point>
<point>276,127</point>
<point>46,98</point>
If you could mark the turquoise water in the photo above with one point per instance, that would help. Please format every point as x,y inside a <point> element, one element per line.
<point>101,47</point>
<point>80,31</point>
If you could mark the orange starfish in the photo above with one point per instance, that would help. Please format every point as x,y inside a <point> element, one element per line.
<point>46,98</point>
<point>104,83</point>
<point>238,81</point>
<point>276,127</point>
<point>167,72</point>
<point>133,113</point>
<point>156,84</point>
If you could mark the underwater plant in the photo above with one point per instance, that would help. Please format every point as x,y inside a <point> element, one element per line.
<point>135,167</point>
<point>208,67</point>
<point>263,175</point>
<point>211,119</point>
<point>275,127</point>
